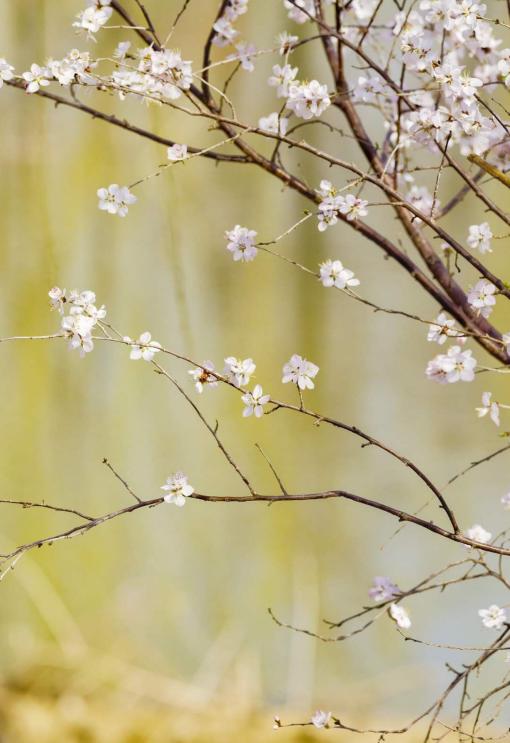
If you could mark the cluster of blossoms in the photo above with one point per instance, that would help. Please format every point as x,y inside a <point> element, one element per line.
<point>96,15</point>
<point>159,75</point>
<point>455,365</point>
<point>239,372</point>
<point>75,67</point>
<point>332,204</point>
<point>115,199</point>
<point>436,39</point>
<point>450,50</point>
<point>226,35</point>
<point>307,100</point>
<point>82,318</point>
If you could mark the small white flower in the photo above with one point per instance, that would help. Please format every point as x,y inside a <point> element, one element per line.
<point>274,124</point>
<point>92,18</point>
<point>202,377</point>
<point>400,615</point>
<point>225,32</point>
<point>177,488</point>
<point>321,719</point>
<point>480,236</point>
<point>254,402</point>
<point>144,348</point>
<point>286,42</point>
<point>6,71</point>
<point>177,152</point>
<point>332,273</point>
<point>57,299</point>
<point>441,329</point>
<point>493,617</point>
<point>505,501</point>
<point>308,100</point>
<point>245,52</point>
<point>78,329</point>
<point>122,49</point>
<point>239,371</point>
<point>281,78</point>
<point>383,589</point>
<point>489,407</point>
<point>240,243</point>
<point>454,366</point>
<point>481,297</point>
<point>115,199</point>
<point>36,78</point>
<point>300,371</point>
<point>478,534</point>
<point>353,207</point>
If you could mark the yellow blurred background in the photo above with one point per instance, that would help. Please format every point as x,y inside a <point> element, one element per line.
<point>155,627</point>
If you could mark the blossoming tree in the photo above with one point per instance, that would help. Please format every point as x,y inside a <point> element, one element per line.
<point>432,76</point>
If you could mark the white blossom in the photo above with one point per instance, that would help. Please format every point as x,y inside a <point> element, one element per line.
<point>274,124</point>
<point>281,78</point>
<point>353,207</point>
<point>333,273</point>
<point>202,377</point>
<point>505,501</point>
<point>321,719</point>
<point>177,152</point>
<point>177,489</point>
<point>490,407</point>
<point>115,199</point>
<point>225,32</point>
<point>240,243</point>
<point>122,49</point>
<point>254,402</point>
<point>443,328</point>
<point>244,54</point>
<point>480,236</point>
<point>383,589</point>
<point>83,316</point>
<point>286,42</point>
<point>300,371</point>
<point>493,617</point>
<point>308,100</point>
<point>37,77</point>
<point>239,372</point>
<point>400,615</point>
<point>78,328</point>
<point>481,297</point>
<point>235,8</point>
<point>478,534</point>
<point>57,299</point>
<point>454,366</point>
<point>144,348</point>
<point>6,71</point>
<point>94,17</point>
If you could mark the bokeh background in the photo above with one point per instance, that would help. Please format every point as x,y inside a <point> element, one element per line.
<point>155,627</point>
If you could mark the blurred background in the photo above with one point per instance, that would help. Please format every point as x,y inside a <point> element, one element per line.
<point>155,627</point>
